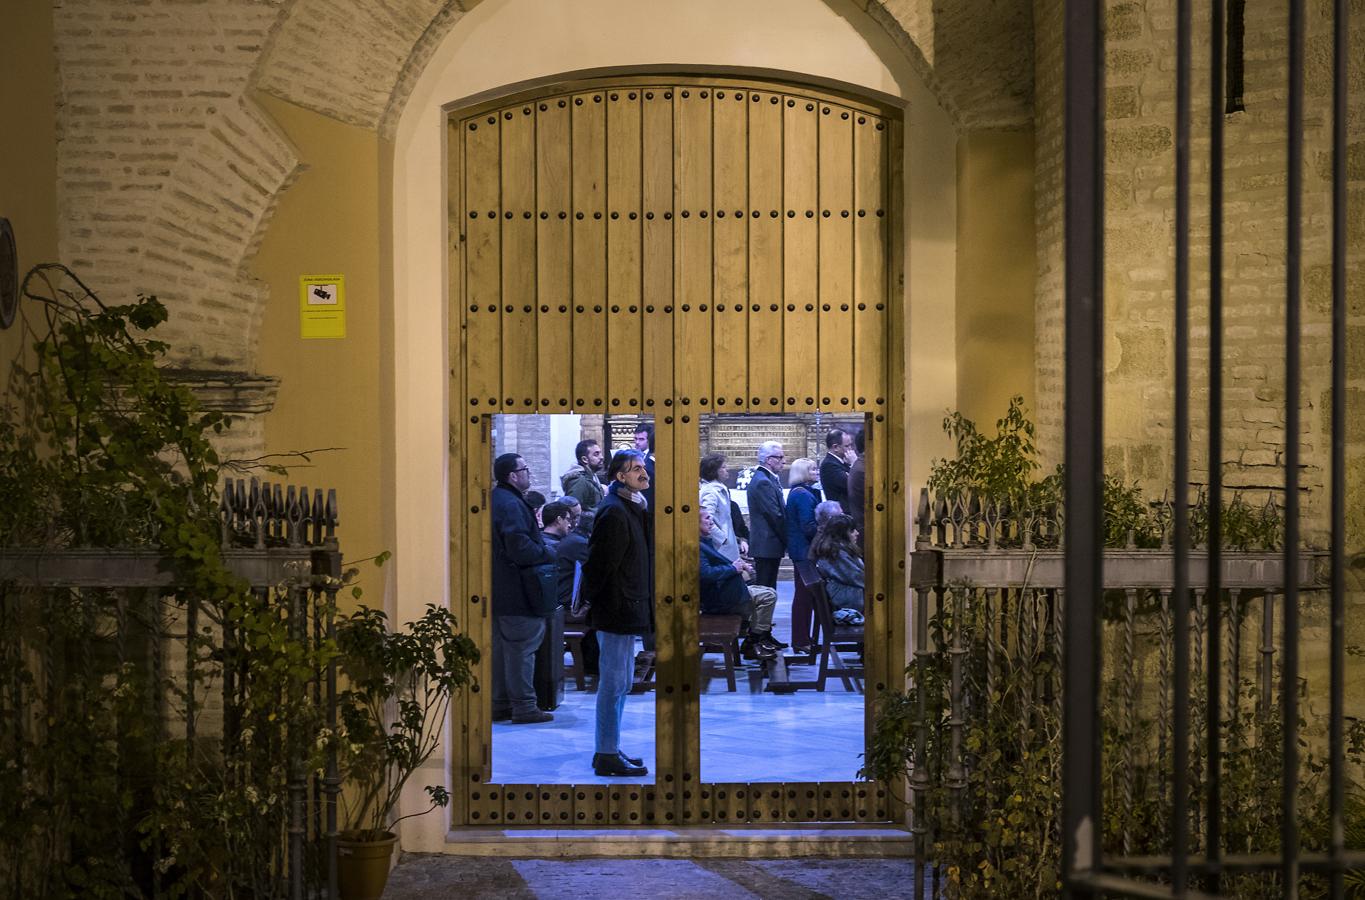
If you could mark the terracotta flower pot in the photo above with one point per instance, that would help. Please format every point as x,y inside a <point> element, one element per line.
<point>363,866</point>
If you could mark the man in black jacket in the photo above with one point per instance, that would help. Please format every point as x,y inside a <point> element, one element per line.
<point>835,467</point>
<point>519,606</point>
<point>767,520</point>
<point>618,584</point>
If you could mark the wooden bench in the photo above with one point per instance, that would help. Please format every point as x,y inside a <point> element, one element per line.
<point>832,635</point>
<point>720,634</point>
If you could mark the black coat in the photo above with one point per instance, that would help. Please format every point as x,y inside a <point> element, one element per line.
<point>618,578</point>
<point>573,549</point>
<point>767,524</point>
<point>834,479</point>
<point>518,549</point>
<point>723,590</point>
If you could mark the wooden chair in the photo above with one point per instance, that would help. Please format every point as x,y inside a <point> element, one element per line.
<point>720,634</point>
<point>832,635</point>
<point>573,643</point>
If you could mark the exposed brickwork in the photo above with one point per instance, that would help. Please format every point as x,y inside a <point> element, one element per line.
<point>166,175</point>
<point>344,58</point>
<point>975,55</point>
<point>1140,236</point>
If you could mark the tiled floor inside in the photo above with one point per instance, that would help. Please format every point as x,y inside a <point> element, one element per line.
<point>745,737</point>
<point>428,877</point>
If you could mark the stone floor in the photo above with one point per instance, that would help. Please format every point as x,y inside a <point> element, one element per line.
<point>746,736</point>
<point>437,877</point>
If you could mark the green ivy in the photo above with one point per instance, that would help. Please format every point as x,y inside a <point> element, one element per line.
<point>99,449</point>
<point>1002,470</point>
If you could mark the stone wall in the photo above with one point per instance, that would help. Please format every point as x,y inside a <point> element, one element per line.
<point>1140,250</point>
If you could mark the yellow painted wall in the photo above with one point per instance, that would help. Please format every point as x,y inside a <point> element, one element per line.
<point>328,221</point>
<point>28,150</point>
<point>995,273</point>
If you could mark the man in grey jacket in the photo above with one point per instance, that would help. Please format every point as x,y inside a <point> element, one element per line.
<point>581,481</point>
<point>767,522</point>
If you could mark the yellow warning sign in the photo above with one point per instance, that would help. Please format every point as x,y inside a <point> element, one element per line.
<point>322,306</point>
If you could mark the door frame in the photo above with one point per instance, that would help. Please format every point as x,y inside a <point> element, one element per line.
<point>676,798</point>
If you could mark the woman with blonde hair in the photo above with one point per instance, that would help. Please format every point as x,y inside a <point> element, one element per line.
<point>802,498</point>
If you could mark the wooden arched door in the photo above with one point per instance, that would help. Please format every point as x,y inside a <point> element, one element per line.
<point>674,246</point>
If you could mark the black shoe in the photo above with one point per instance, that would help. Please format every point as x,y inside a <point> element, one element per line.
<point>630,760</point>
<point>611,765</point>
<point>771,641</point>
<point>502,717</point>
<point>538,716</point>
<point>752,649</point>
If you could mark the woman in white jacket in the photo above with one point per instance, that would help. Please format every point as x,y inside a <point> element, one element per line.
<point>714,497</point>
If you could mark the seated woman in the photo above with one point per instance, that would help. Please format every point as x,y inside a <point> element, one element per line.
<point>835,552</point>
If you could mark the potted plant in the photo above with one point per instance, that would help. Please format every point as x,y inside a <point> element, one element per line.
<point>390,720</point>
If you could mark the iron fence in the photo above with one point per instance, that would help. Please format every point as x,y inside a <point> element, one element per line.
<point>193,661</point>
<point>1180,871</point>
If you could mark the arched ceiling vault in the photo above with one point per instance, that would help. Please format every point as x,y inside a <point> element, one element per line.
<point>357,61</point>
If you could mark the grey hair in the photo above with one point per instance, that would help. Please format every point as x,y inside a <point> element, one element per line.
<point>825,509</point>
<point>767,449</point>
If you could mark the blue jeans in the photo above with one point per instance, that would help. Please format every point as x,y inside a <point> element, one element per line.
<point>515,640</point>
<point>616,663</point>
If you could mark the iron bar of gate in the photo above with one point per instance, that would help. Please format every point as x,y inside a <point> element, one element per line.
<point>1180,726</point>
<point>1289,677</point>
<point>1084,449</point>
<point>1337,664</point>
<point>1213,824</point>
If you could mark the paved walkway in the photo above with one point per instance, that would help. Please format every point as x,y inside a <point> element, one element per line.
<point>438,877</point>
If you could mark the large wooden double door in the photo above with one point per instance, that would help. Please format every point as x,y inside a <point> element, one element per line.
<point>673,246</point>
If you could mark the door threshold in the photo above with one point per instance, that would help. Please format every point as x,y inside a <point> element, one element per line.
<point>775,841</point>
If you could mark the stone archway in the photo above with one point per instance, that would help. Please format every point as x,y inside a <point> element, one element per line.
<point>169,172</point>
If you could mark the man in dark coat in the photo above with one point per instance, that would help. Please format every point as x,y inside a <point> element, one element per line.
<point>618,584</point>
<point>767,520</point>
<point>834,468</point>
<point>857,486</point>
<point>519,604</point>
<point>723,592</point>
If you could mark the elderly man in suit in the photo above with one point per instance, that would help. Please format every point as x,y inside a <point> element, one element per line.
<point>767,520</point>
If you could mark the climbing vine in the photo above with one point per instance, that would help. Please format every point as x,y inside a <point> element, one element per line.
<point>100,449</point>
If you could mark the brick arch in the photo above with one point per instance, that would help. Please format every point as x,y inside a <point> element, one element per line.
<point>170,172</point>
<point>357,62</point>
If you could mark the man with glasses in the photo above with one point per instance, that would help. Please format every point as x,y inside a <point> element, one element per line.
<point>519,604</point>
<point>767,522</point>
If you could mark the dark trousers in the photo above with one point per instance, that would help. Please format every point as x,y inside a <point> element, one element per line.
<point>803,616</point>
<point>515,639</point>
<point>765,570</point>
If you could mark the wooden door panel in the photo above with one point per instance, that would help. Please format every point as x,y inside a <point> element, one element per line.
<point>657,263</point>
<point>624,236</point>
<point>800,256</point>
<point>483,260</point>
<point>765,252</point>
<point>869,258</point>
<point>554,255</point>
<point>836,257</point>
<point>589,251</point>
<point>731,250</point>
<point>692,314</point>
<point>518,190</point>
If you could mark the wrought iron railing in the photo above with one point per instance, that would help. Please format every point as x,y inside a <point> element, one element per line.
<point>990,599</point>
<point>282,543</point>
